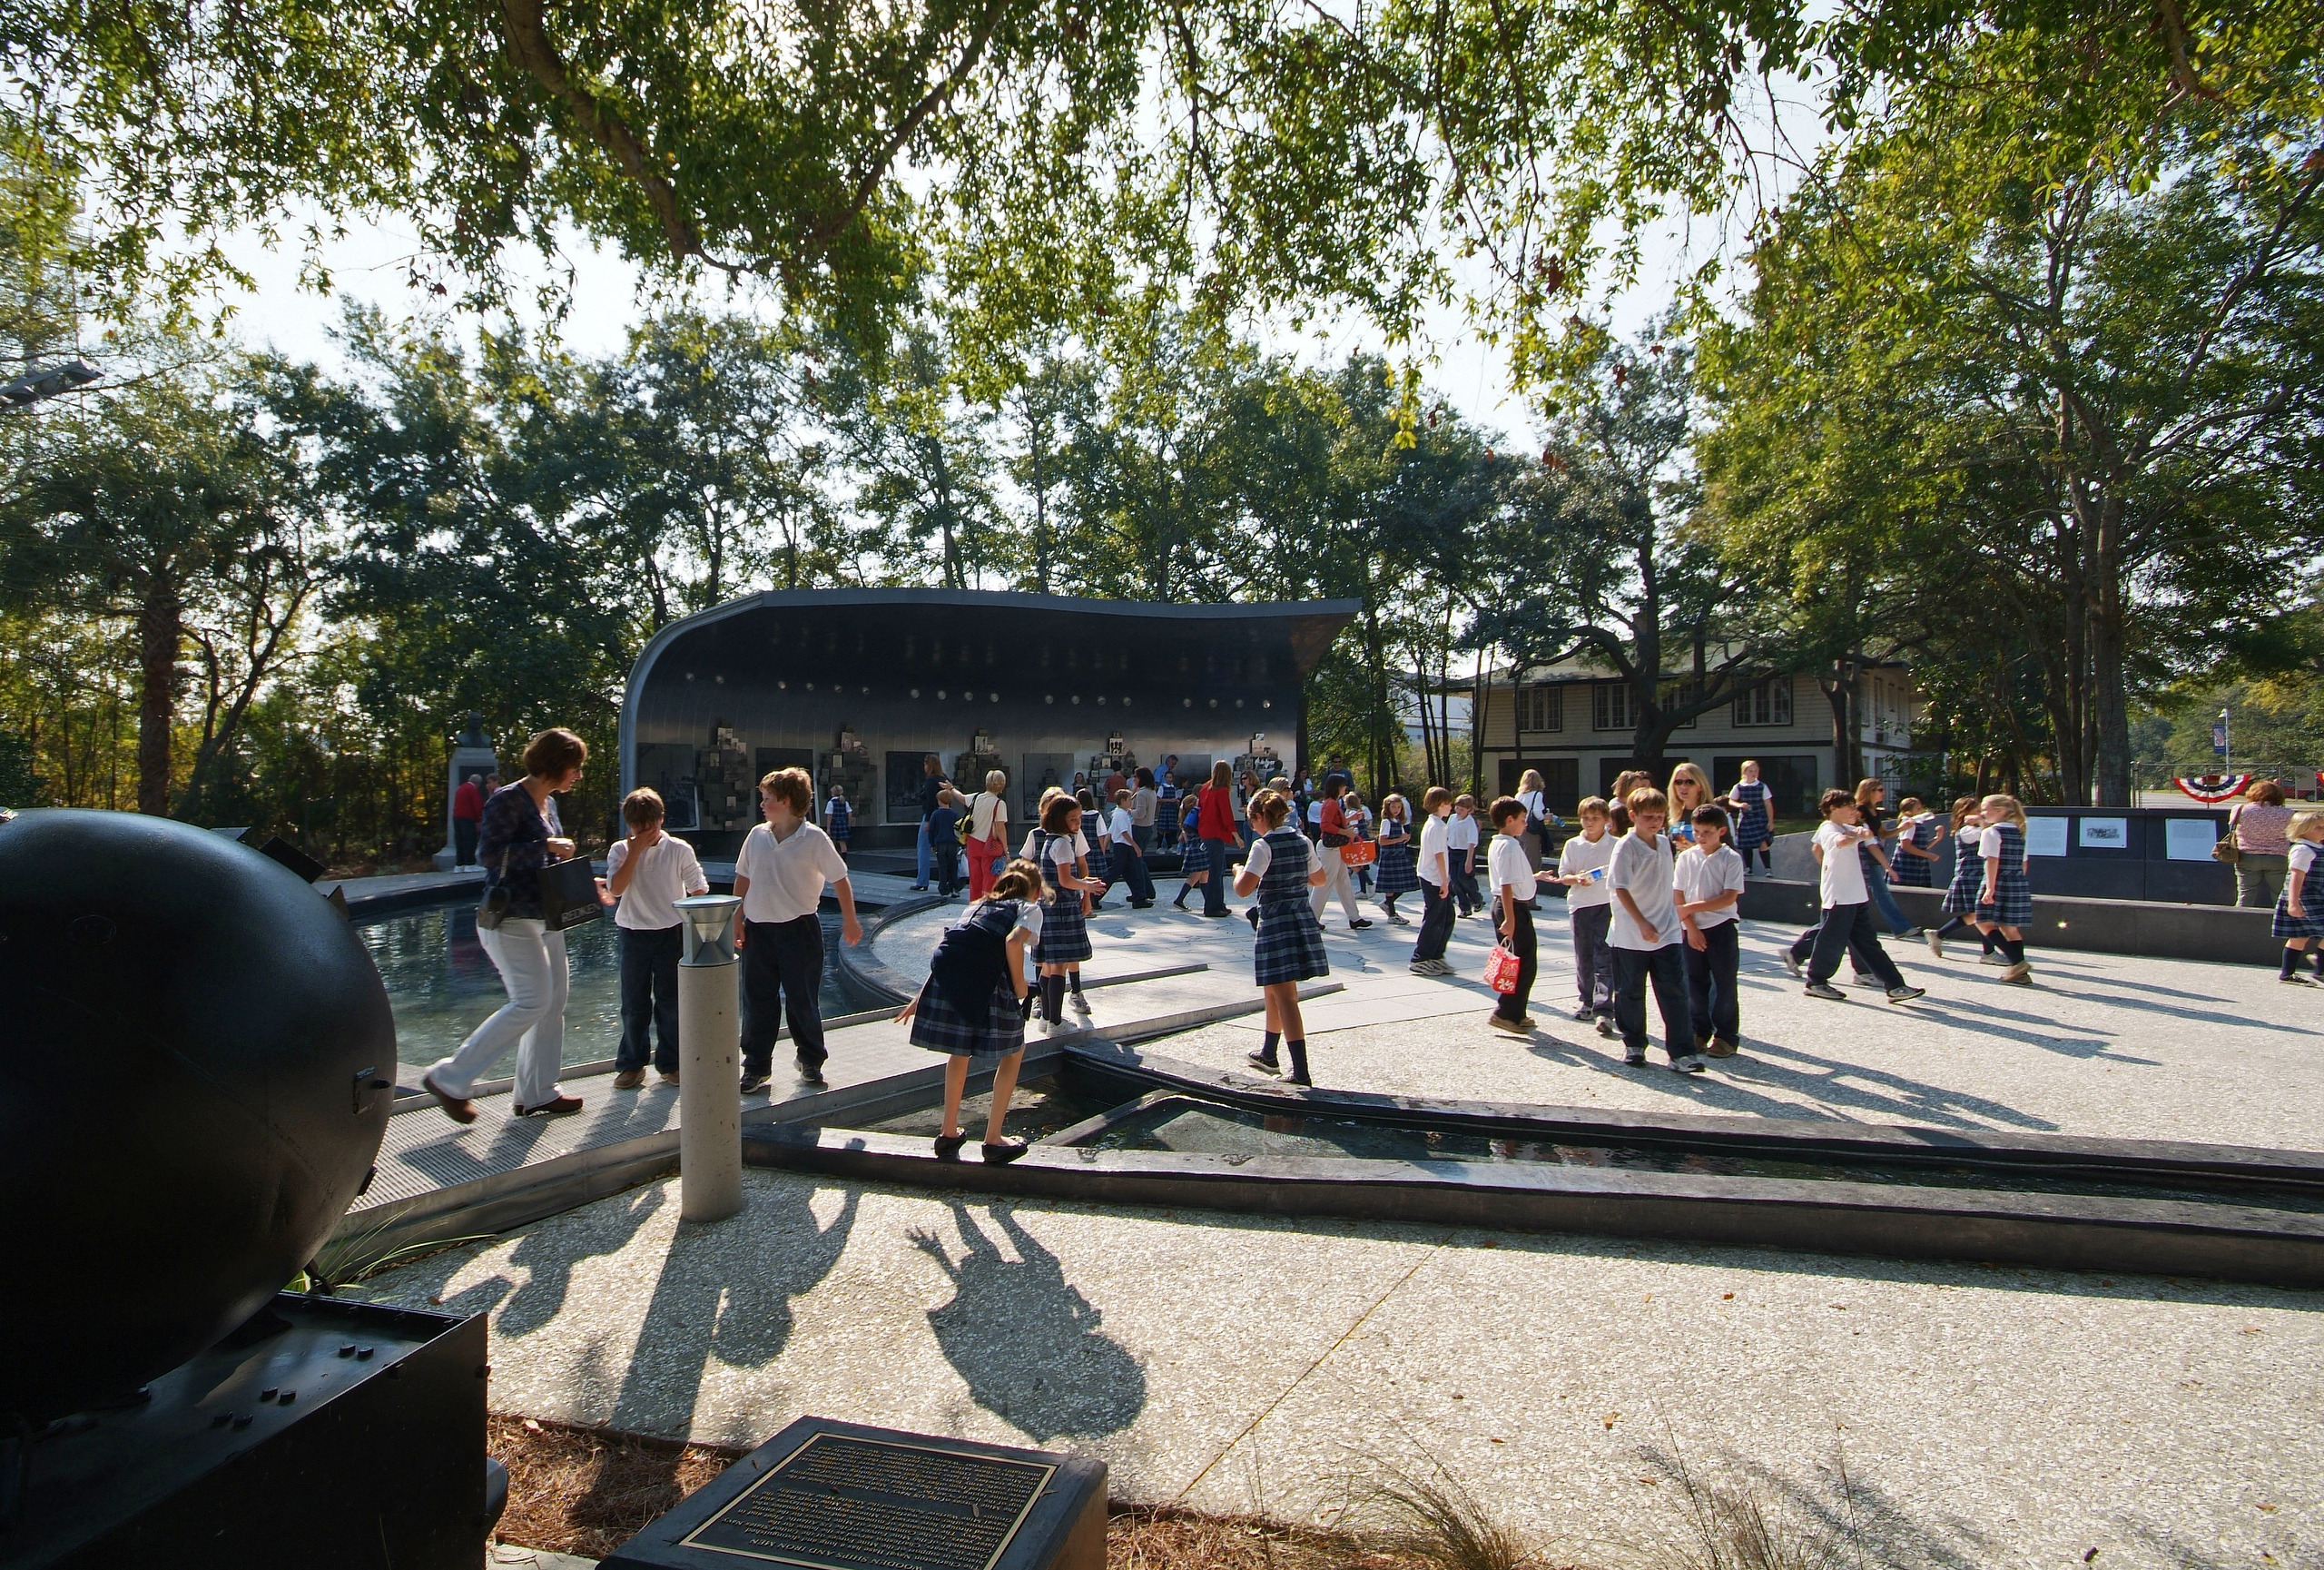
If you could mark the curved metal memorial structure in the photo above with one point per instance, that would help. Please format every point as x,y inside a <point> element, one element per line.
<point>858,685</point>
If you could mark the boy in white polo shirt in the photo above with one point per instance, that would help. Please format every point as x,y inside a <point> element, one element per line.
<point>1709,878</point>
<point>645,875</point>
<point>1590,909</point>
<point>1645,936</point>
<point>1435,872</point>
<point>1847,926</point>
<point>779,876</point>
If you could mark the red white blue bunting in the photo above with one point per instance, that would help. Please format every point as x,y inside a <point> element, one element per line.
<point>2210,789</point>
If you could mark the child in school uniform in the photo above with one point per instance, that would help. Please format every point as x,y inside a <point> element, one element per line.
<point>1710,882</point>
<point>1646,936</point>
<point>1581,867</point>
<point>944,841</point>
<point>1755,816</point>
<point>2300,913</point>
<point>1513,878</point>
<point>1960,904</point>
<point>2004,894</point>
<point>1063,942</point>
<point>1395,853</point>
<point>839,820</point>
<point>1194,864</point>
<point>646,874</point>
<point>1435,869</point>
<point>1849,925</point>
<point>1287,948</point>
<point>1918,834</point>
<point>1460,844</point>
<point>971,1007</point>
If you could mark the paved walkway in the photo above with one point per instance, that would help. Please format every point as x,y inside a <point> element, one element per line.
<point>1984,1416</point>
<point>2104,1044</point>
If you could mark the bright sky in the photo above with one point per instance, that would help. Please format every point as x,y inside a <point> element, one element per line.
<point>370,265</point>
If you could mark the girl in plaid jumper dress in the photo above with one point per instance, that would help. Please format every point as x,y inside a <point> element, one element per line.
<point>2299,908</point>
<point>1960,904</point>
<point>2005,895</point>
<point>1395,853</point>
<point>944,1020</point>
<point>1280,869</point>
<point>1065,926</point>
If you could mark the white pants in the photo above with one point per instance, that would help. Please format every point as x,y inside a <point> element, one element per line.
<point>1335,877</point>
<point>531,962</point>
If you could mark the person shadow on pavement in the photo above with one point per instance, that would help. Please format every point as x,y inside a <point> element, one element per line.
<point>1029,1345</point>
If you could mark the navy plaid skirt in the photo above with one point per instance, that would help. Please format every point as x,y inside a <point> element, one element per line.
<point>2013,903</point>
<point>1064,931</point>
<point>1969,879</point>
<point>1396,869</point>
<point>2287,925</point>
<point>941,1027</point>
<point>1290,945</point>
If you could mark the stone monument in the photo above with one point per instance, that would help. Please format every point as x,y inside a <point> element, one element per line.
<point>472,753</point>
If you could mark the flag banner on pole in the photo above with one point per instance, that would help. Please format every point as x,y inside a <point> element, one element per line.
<point>2210,789</point>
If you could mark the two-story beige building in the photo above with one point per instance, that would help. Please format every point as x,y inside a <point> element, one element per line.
<point>1575,724</point>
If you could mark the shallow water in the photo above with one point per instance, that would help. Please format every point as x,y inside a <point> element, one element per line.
<point>1185,1125</point>
<point>443,985</point>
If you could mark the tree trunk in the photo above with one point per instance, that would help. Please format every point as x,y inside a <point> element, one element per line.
<point>161,631</point>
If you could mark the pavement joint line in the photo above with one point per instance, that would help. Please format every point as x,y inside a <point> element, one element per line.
<point>1247,1429</point>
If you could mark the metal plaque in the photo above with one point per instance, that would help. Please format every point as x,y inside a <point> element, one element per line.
<point>839,1503</point>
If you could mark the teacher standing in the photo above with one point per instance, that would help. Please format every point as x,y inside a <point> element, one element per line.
<point>518,835</point>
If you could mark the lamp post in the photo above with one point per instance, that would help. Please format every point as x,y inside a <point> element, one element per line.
<point>47,381</point>
<point>710,1034</point>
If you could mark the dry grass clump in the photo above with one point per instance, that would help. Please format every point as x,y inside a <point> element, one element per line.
<point>1741,1521</point>
<point>587,1491</point>
<point>1166,1538</point>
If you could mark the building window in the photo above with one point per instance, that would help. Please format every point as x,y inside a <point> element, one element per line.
<point>1610,707</point>
<point>1540,709</point>
<point>1674,694</point>
<point>1767,703</point>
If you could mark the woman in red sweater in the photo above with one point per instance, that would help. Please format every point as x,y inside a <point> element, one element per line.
<point>1220,837</point>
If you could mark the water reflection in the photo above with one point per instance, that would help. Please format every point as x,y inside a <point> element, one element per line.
<point>442,984</point>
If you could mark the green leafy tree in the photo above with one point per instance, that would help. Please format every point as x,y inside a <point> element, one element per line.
<point>1605,560</point>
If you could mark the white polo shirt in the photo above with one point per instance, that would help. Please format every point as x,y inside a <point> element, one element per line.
<point>1643,867</point>
<point>1706,877</point>
<point>1434,866</point>
<point>1581,854</point>
<point>787,876</point>
<point>1508,867</point>
<point>666,872</point>
<point>1842,882</point>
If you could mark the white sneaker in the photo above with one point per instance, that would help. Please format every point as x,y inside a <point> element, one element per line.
<point>1690,1064</point>
<point>1080,1004</point>
<point>1935,943</point>
<point>1993,957</point>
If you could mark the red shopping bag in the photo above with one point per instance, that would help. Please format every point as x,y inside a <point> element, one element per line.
<point>1500,969</point>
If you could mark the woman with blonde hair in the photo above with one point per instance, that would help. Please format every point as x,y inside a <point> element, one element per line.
<point>988,842</point>
<point>1533,795</point>
<point>1690,789</point>
<point>1872,811</point>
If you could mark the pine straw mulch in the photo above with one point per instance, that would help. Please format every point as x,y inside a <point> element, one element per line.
<point>587,1491</point>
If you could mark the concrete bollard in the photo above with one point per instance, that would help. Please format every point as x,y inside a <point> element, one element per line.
<point>710,1034</point>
